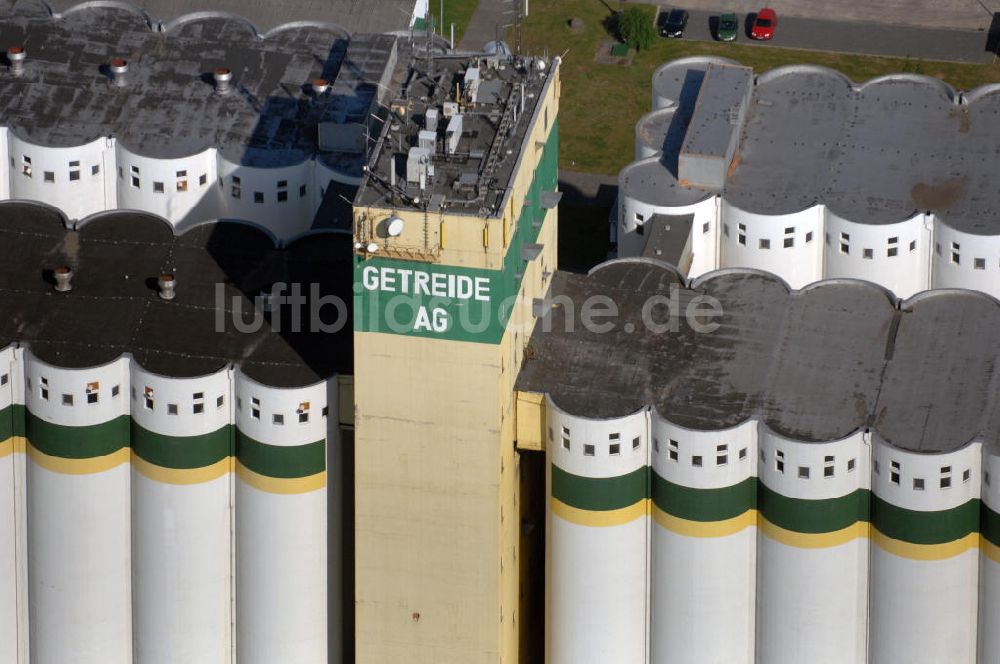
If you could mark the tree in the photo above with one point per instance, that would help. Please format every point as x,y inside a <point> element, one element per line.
<point>635,27</point>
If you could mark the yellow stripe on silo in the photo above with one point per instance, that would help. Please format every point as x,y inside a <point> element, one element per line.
<point>691,528</point>
<point>859,529</point>
<point>13,445</point>
<point>599,518</point>
<point>991,550</point>
<point>925,551</point>
<point>90,466</point>
<point>182,476</point>
<point>281,485</point>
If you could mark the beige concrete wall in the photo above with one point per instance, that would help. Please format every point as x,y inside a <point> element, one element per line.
<point>437,492</point>
<point>427,499</point>
<point>437,476</point>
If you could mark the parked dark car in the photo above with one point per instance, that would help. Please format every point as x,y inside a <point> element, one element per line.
<point>729,25</point>
<point>672,23</point>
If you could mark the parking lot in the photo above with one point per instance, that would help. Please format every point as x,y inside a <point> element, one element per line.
<point>950,44</point>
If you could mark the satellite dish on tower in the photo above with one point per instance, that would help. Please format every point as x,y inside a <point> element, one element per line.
<point>394,226</point>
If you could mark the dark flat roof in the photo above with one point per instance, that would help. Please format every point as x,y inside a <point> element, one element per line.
<point>873,153</point>
<point>168,108</point>
<point>114,307</point>
<point>476,179</point>
<point>354,15</point>
<point>815,364</point>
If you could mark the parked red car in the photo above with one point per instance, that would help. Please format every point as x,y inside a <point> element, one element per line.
<point>764,24</point>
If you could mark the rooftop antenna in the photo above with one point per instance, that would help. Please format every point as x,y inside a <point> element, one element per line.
<point>518,7</point>
<point>429,32</point>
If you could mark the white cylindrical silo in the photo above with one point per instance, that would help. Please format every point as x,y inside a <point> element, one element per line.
<point>896,256</point>
<point>78,496</point>
<point>69,178</point>
<point>965,260</point>
<point>703,544</point>
<point>184,189</point>
<point>281,522</point>
<point>597,549</point>
<point>182,442</point>
<point>925,557</point>
<point>789,245</point>
<point>989,574</point>
<point>10,497</point>
<point>275,198</point>
<point>812,583</point>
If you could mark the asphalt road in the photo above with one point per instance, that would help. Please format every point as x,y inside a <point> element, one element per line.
<point>858,37</point>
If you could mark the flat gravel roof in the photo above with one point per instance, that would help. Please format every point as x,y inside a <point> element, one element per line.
<point>814,365</point>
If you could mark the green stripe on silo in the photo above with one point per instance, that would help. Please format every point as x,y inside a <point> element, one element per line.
<point>915,527</point>
<point>182,452</point>
<point>281,461</point>
<point>989,525</point>
<point>6,423</point>
<point>84,442</point>
<point>18,414</point>
<point>600,493</point>
<point>704,504</point>
<point>825,515</point>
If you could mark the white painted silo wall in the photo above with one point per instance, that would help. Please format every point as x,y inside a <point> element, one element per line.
<point>171,188</point>
<point>281,531</point>
<point>789,245</point>
<point>924,597</point>
<point>989,571</point>
<point>703,572</point>
<point>6,168</point>
<point>896,256</point>
<point>597,561</point>
<point>10,496</point>
<point>812,587</point>
<point>255,196</point>
<point>181,523</point>
<point>79,548</point>
<point>64,178</point>
<point>964,260</point>
<point>633,213</point>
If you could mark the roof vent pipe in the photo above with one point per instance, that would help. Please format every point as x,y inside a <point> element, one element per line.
<point>223,80</point>
<point>167,283</point>
<point>16,56</point>
<point>63,276</point>
<point>118,68</point>
<point>320,85</point>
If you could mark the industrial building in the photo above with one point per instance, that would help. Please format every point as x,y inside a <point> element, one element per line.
<point>455,240</point>
<point>803,173</point>
<point>193,469</point>
<point>178,474</point>
<point>195,120</point>
<point>814,480</point>
<point>352,15</point>
<point>171,484</point>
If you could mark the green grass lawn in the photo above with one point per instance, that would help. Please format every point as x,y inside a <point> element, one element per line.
<point>601,103</point>
<point>455,11</point>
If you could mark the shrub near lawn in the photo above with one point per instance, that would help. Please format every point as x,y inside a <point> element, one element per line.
<point>634,26</point>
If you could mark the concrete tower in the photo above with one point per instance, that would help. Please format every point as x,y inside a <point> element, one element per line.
<point>450,253</point>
